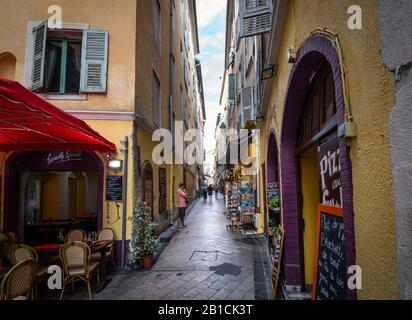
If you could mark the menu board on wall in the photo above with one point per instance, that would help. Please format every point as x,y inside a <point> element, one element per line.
<point>330,266</point>
<point>114,188</point>
<point>330,172</point>
<point>278,245</point>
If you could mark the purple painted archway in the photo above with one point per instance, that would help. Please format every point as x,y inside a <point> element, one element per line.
<point>272,158</point>
<point>315,50</point>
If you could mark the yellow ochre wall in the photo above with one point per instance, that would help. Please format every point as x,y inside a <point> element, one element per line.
<point>371,94</point>
<point>51,209</point>
<point>115,131</point>
<point>116,16</point>
<point>310,193</point>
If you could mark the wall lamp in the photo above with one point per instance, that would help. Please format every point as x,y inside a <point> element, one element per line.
<point>115,164</point>
<point>269,71</point>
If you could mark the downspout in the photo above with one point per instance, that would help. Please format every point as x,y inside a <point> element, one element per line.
<point>124,213</point>
<point>171,112</point>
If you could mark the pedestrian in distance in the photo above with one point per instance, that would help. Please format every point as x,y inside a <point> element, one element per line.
<point>210,192</point>
<point>204,191</point>
<point>216,192</point>
<point>182,204</point>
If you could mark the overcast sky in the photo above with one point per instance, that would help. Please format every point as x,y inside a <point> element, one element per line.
<point>211,16</point>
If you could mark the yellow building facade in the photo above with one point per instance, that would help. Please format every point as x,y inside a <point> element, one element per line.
<point>135,91</point>
<point>366,94</point>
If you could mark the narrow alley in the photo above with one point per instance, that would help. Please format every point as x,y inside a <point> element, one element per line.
<point>203,261</point>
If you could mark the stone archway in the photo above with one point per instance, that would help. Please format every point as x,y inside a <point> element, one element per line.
<point>315,49</point>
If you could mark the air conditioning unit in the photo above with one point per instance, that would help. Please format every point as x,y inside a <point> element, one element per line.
<point>255,17</point>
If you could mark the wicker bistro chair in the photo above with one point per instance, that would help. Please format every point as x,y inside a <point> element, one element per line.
<point>105,234</point>
<point>21,252</point>
<point>75,257</point>
<point>18,283</point>
<point>75,235</point>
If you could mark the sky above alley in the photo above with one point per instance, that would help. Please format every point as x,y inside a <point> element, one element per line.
<point>211,16</point>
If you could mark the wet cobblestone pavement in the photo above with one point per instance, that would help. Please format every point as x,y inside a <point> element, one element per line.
<point>203,262</point>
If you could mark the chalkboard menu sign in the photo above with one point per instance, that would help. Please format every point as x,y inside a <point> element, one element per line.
<point>278,245</point>
<point>272,189</point>
<point>114,188</point>
<point>330,267</point>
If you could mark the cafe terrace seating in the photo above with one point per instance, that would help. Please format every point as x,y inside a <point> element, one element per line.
<point>18,283</point>
<point>21,252</point>
<point>105,234</point>
<point>75,235</point>
<point>76,261</point>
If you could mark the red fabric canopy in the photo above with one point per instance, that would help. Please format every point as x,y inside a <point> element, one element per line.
<point>29,123</point>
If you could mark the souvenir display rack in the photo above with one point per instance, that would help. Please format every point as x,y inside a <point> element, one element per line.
<point>232,206</point>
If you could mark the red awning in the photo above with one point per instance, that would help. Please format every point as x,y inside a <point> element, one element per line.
<point>29,123</point>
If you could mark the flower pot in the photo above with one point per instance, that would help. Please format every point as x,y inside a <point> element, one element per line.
<point>147,262</point>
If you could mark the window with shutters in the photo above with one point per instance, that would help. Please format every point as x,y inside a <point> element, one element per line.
<point>247,105</point>
<point>156,101</point>
<point>156,23</point>
<point>255,17</point>
<point>62,68</point>
<point>68,61</point>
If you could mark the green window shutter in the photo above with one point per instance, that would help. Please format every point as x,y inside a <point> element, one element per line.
<point>39,54</point>
<point>94,61</point>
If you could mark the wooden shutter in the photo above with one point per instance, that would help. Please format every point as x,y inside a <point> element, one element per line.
<point>39,54</point>
<point>94,61</point>
<point>255,17</point>
<point>232,87</point>
<point>247,105</point>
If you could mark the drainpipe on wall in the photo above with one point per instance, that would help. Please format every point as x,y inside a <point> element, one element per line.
<point>124,213</point>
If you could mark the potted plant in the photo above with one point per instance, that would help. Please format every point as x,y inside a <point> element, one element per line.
<point>275,203</point>
<point>271,228</point>
<point>143,244</point>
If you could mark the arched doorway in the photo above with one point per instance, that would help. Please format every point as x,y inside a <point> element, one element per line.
<point>272,214</point>
<point>8,66</point>
<point>310,120</point>
<point>49,192</point>
<point>148,185</point>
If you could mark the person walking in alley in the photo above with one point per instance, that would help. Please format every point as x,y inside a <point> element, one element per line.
<point>182,204</point>
<point>216,192</point>
<point>210,192</point>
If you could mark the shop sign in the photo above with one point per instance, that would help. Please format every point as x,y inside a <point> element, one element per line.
<point>61,157</point>
<point>330,173</point>
<point>330,266</point>
<point>114,188</point>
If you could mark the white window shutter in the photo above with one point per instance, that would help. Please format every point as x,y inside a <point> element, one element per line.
<point>39,55</point>
<point>247,105</point>
<point>94,61</point>
<point>255,17</point>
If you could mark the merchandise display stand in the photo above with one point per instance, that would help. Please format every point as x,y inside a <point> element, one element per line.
<point>232,207</point>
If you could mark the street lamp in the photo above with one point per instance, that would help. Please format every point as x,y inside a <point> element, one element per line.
<point>268,72</point>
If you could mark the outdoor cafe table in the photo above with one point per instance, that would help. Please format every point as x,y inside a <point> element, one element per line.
<point>100,246</point>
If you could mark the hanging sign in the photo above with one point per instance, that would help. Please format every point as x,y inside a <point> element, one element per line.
<point>278,245</point>
<point>114,188</point>
<point>330,267</point>
<point>330,173</point>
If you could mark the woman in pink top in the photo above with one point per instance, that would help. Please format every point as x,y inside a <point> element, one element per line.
<point>182,204</point>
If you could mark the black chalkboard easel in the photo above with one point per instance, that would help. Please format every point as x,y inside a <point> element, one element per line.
<point>278,244</point>
<point>330,267</point>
